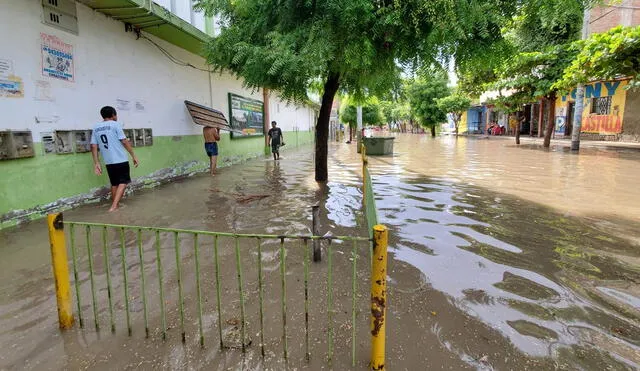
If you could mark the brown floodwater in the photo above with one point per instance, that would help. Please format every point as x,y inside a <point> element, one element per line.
<point>501,257</point>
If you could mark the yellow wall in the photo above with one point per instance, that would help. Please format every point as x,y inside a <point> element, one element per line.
<point>592,123</point>
<point>463,127</point>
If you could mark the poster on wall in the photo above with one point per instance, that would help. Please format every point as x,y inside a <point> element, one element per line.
<point>57,58</point>
<point>561,125</point>
<point>561,120</point>
<point>247,116</point>
<point>11,86</point>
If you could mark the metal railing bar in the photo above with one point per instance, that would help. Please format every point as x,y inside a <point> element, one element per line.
<point>223,234</point>
<point>161,287</point>
<point>198,289</point>
<point>74,259</point>
<point>143,284</point>
<point>123,252</point>
<point>94,302</point>
<point>176,242</point>
<point>107,266</point>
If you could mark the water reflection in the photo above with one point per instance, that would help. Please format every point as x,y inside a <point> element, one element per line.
<point>549,282</point>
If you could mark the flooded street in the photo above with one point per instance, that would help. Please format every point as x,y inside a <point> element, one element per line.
<point>501,258</point>
<point>541,246</point>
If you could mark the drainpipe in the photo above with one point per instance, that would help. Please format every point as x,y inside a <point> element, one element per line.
<point>577,119</point>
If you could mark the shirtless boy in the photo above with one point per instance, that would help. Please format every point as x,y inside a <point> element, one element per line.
<point>211,138</point>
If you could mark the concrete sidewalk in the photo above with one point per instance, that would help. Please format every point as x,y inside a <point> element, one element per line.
<point>563,142</point>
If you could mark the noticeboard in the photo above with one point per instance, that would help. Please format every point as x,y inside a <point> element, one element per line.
<point>246,116</point>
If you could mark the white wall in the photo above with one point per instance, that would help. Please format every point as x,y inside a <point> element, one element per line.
<point>111,65</point>
<point>289,116</point>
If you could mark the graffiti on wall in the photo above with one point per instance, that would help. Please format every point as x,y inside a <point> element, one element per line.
<point>561,121</point>
<point>57,58</point>
<point>596,90</point>
<point>602,124</point>
<point>604,106</point>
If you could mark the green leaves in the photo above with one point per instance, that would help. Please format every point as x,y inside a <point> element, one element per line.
<point>371,112</point>
<point>608,55</point>
<point>424,94</point>
<point>454,104</point>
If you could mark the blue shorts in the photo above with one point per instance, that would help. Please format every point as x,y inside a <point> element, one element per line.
<point>211,148</point>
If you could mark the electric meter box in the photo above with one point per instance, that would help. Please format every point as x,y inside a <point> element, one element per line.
<point>148,137</point>
<point>16,144</point>
<point>129,134</point>
<point>22,144</point>
<point>63,141</point>
<point>83,140</point>
<point>138,138</point>
<point>5,146</point>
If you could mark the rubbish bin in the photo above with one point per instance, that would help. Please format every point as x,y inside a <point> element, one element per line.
<point>378,146</point>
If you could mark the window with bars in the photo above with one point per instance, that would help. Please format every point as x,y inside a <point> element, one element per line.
<point>601,106</point>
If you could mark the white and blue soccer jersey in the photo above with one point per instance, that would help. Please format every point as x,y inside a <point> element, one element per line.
<point>108,135</point>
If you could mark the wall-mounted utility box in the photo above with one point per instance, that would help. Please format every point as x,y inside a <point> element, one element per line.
<point>63,141</point>
<point>22,144</point>
<point>48,143</point>
<point>129,134</point>
<point>5,146</point>
<point>16,144</point>
<point>148,137</point>
<point>82,140</point>
<point>138,138</point>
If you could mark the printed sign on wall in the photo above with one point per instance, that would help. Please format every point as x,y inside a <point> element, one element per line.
<point>57,58</point>
<point>246,116</point>
<point>11,86</point>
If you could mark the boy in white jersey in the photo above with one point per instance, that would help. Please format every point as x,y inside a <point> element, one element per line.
<point>109,137</point>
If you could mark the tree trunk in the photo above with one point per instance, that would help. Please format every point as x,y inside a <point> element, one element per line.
<point>322,126</point>
<point>350,134</point>
<point>517,130</point>
<point>455,124</point>
<point>433,131</point>
<point>551,123</point>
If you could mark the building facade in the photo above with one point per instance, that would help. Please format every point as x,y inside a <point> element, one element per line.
<point>607,114</point>
<point>64,60</point>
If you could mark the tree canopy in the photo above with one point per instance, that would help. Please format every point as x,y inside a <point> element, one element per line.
<point>424,94</point>
<point>533,40</point>
<point>607,55</point>
<point>371,113</point>
<point>350,45</point>
<point>455,104</point>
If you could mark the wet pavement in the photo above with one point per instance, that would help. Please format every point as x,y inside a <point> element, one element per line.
<point>501,258</point>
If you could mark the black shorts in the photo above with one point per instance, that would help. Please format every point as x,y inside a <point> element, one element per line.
<point>119,173</point>
<point>211,148</point>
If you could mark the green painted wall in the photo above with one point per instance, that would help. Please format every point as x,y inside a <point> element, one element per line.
<point>29,187</point>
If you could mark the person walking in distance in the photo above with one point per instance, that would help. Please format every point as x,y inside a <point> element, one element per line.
<point>276,139</point>
<point>211,138</point>
<point>109,138</point>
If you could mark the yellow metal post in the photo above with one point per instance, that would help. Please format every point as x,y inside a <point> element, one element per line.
<point>60,269</point>
<point>378,296</point>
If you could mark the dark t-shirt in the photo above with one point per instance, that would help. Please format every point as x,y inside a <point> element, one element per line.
<point>276,135</point>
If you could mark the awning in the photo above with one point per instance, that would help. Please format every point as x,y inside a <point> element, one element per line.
<point>152,18</point>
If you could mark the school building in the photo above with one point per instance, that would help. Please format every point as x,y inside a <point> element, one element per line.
<point>62,60</point>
